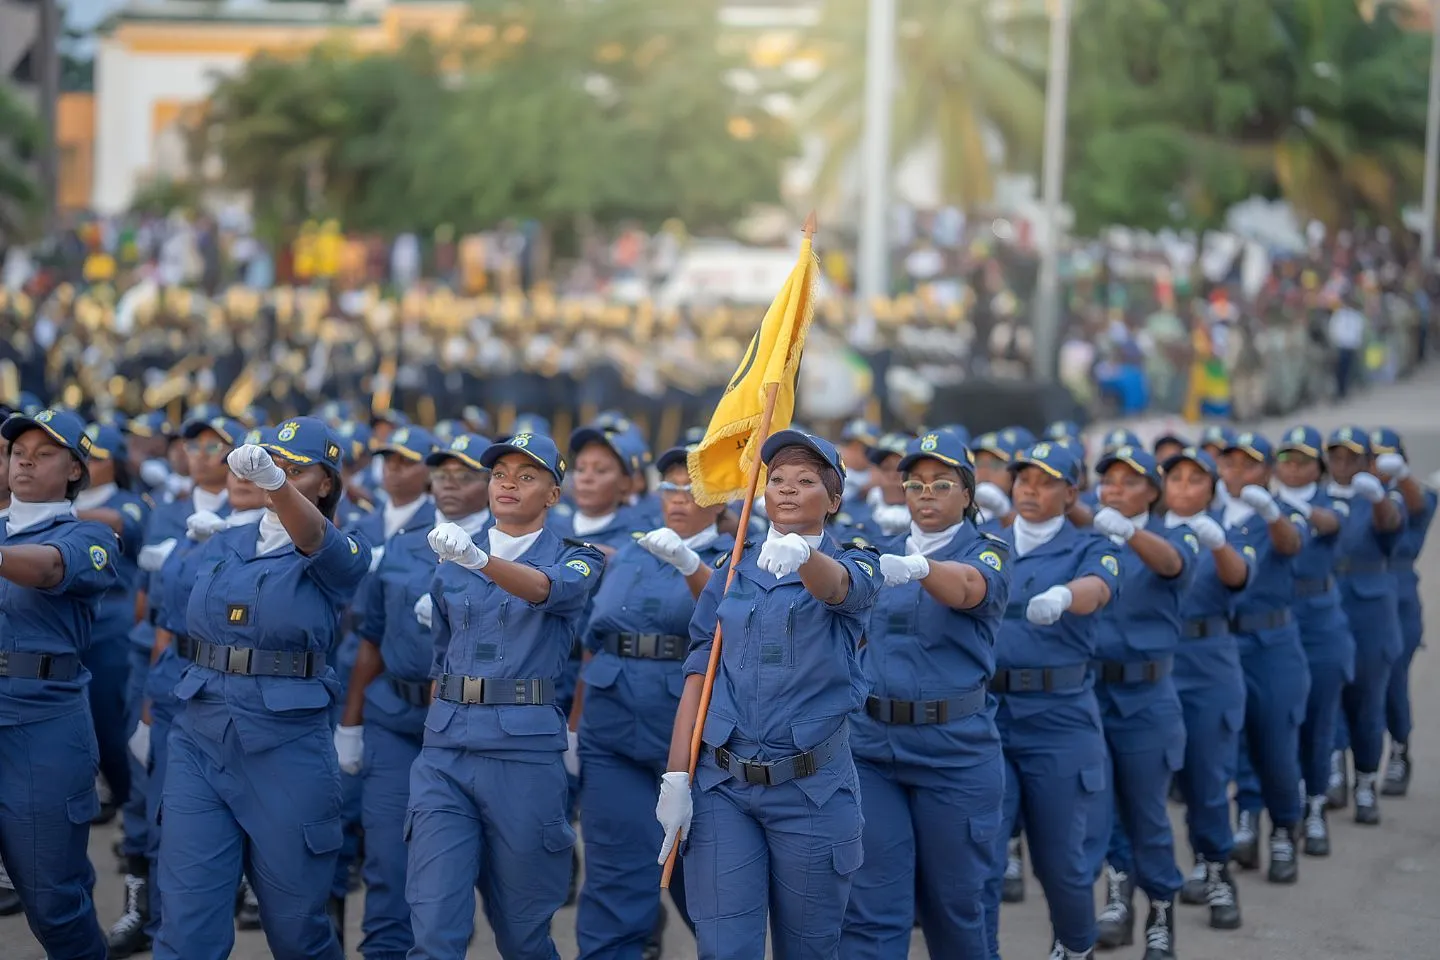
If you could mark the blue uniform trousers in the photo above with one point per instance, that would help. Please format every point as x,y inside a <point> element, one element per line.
<point>108,661</point>
<point>755,851</point>
<point>346,654</point>
<point>1056,777</point>
<point>47,800</point>
<point>162,721</point>
<point>385,796</point>
<point>1277,685</point>
<point>1317,733</point>
<point>620,900</point>
<point>1146,750</point>
<point>931,835</point>
<point>133,823</point>
<point>501,819</point>
<point>275,813</point>
<point>1397,695</point>
<point>1211,685</point>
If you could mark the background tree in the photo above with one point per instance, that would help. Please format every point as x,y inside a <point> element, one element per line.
<point>20,138</point>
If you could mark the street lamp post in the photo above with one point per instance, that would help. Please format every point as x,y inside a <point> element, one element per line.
<point>1046,318</point>
<point>873,280</point>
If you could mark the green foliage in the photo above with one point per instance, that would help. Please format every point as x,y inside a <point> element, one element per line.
<point>20,139</point>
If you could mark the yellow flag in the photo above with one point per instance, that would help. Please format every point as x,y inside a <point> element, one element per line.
<point>720,463</point>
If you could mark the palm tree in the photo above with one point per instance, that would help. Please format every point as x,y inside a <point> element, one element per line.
<point>967,69</point>
<point>20,136</point>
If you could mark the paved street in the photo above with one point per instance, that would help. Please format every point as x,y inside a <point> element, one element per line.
<point>1376,897</point>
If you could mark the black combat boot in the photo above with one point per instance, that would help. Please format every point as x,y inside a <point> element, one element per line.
<point>1337,791</point>
<point>1284,866</point>
<point>1317,830</point>
<point>1397,771</point>
<point>1193,892</point>
<point>127,935</point>
<point>1367,809</point>
<point>1115,927</point>
<point>1222,897</point>
<point>1012,888</point>
<point>247,907</point>
<point>1160,931</point>
<point>1246,853</point>
<point>335,910</point>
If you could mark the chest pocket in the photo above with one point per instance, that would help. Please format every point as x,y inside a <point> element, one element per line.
<point>738,612</point>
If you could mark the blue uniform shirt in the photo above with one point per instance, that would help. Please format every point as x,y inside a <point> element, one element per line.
<point>1272,581</point>
<point>630,702</point>
<point>1324,631</point>
<point>1207,598</point>
<point>1412,541</point>
<point>1143,623</point>
<point>789,675</point>
<point>282,601</point>
<point>117,608</point>
<point>628,524</point>
<point>479,630</point>
<point>918,649</point>
<point>57,620</point>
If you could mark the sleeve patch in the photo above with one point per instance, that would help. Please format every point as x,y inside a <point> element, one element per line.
<point>354,547</point>
<point>132,510</point>
<point>1249,551</point>
<point>869,570</point>
<point>1193,543</point>
<point>1111,565</point>
<point>580,567</point>
<point>992,560</point>
<point>98,557</point>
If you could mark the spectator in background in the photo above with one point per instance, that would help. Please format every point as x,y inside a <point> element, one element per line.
<point>1347,337</point>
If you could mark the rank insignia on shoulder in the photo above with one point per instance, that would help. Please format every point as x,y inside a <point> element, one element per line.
<point>237,614</point>
<point>576,542</point>
<point>720,561</point>
<point>860,543</point>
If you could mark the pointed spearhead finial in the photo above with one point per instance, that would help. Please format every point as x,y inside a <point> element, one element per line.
<point>809,229</point>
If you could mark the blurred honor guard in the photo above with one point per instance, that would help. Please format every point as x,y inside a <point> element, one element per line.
<point>253,777</point>
<point>932,777</point>
<point>489,785</point>
<point>54,570</point>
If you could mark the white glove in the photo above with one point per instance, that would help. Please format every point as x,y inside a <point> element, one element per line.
<point>891,518</point>
<point>250,462</point>
<point>784,555</point>
<point>674,810</point>
<point>153,557</point>
<point>1393,466</point>
<point>1259,500</point>
<point>992,499</point>
<point>451,542</point>
<point>140,743</point>
<point>376,555</point>
<point>899,570</point>
<point>202,525</point>
<point>350,747</point>
<point>425,611</point>
<point>572,753</point>
<point>1210,534</point>
<point>1045,608</point>
<point>1114,524</point>
<point>177,485</point>
<point>669,547</point>
<point>155,473</point>
<point>1368,486</point>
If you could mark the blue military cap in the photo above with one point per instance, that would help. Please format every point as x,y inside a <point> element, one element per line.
<point>890,444</point>
<point>1118,438</point>
<point>1000,443</point>
<point>1195,455</point>
<point>412,443</point>
<point>627,448</point>
<point>1354,439</point>
<point>63,426</point>
<point>231,431</point>
<point>1386,440</point>
<point>531,423</point>
<point>1252,445</point>
<point>536,446</point>
<point>468,448</point>
<point>304,440</point>
<point>1217,435</point>
<point>354,439</point>
<point>1169,436</point>
<point>477,420</point>
<point>1304,439</point>
<point>1136,458</point>
<point>205,411</point>
<point>1019,436</point>
<point>335,412</point>
<point>29,404</point>
<point>673,457</point>
<point>114,418</point>
<point>1056,459</point>
<point>1063,430</point>
<point>692,435</point>
<point>152,424</point>
<point>392,417</point>
<point>861,430</point>
<point>446,430</point>
<point>612,421</point>
<point>819,445</point>
<point>959,429</point>
<point>106,441</point>
<point>254,416</point>
<point>941,445</point>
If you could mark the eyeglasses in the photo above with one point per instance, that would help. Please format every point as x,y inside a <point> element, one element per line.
<point>938,487</point>
<point>458,478</point>
<point>665,487</point>
<point>211,448</point>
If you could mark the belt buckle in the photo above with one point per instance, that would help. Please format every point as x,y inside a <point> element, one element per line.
<point>937,711</point>
<point>1021,680</point>
<point>522,694</point>
<point>723,758</point>
<point>238,660</point>
<point>629,646</point>
<point>42,670</point>
<point>804,764</point>
<point>902,712</point>
<point>763,778</point>
<point>4,663</point>
<point>472,690</point>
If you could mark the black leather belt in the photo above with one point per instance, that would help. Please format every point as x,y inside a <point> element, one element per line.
<point>917,712</point>
<point>39,666</point>
<point>1255,622</point>
<point>1135,671</point>
<point>770,773</point>
<point>1069,679</point>
<point>1205,627</point>
<point>184,646</point>
<point>1313,587</point>
<point>250,662</point>
<point>495,691</point>
<point>1349,568</point>
<point>414,692</point>
<point>648,646</point>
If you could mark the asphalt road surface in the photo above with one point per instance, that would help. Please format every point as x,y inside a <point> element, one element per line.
<point>1377,896</point>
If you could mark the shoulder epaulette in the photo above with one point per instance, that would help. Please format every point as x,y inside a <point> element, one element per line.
<point>575,542</point>
<point>997,541</point>
<point>149,500</point>
<point>860,543</point>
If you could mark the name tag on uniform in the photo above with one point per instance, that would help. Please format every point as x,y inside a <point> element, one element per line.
<point>238,614</point>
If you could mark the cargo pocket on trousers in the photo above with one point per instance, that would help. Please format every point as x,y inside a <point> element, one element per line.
<point>847,856</point>
<point>323,836</point>
<point>1092,780</point>
<point>82,807</point>
<point>558,836</point>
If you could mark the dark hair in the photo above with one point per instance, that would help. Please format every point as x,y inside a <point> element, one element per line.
<point>967,481</point>
<point>805,457</point>
<point>123,479</point>
<point>330,503</point>
<point>74,487</point>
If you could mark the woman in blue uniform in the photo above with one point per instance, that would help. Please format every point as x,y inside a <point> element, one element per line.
<point>636,642</point>
<point>489,786</point>
<point>1369,537</point>
<point>776,831</point>
<point>384,723</point>
<point>54,570</point>
<point>1048,717</point>
<point>1209,681</point>
<point>1139,706</point>
<point>993,479</point>
<point>1324,631</point>
<point>262,614</point>
<point>927,752</point>
<point>1277,678</point>
<point>1420,502</point>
